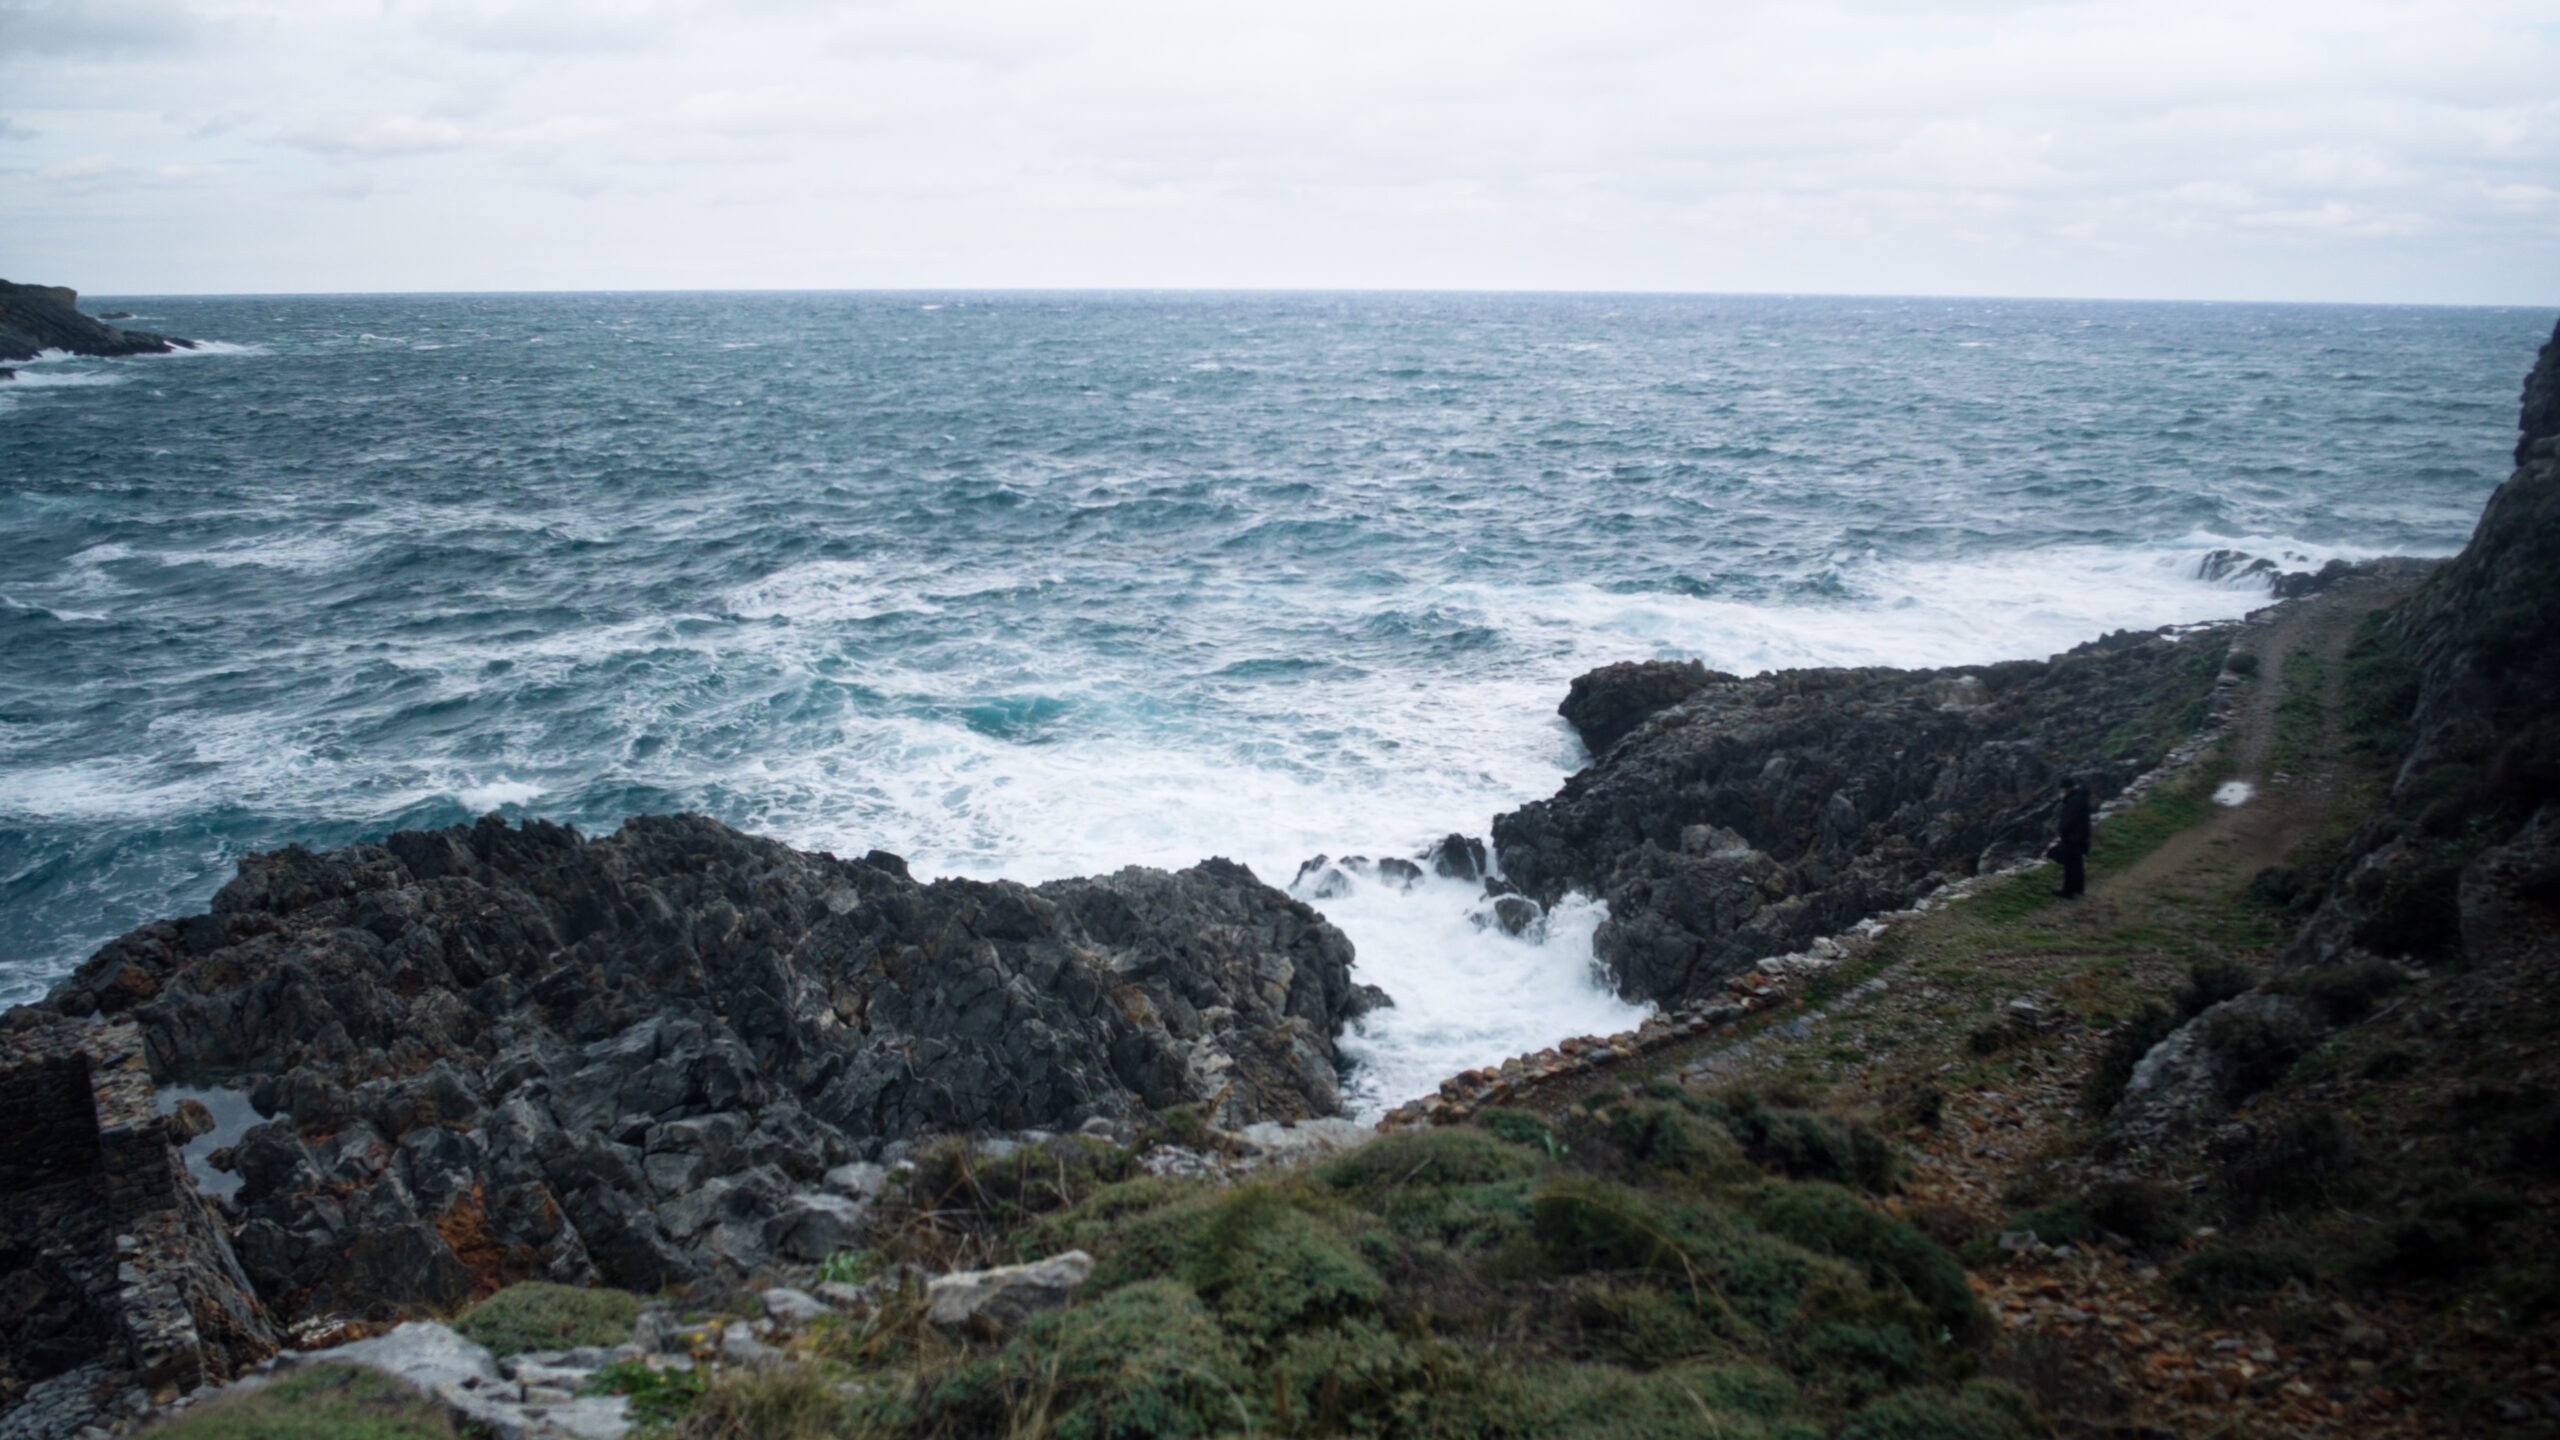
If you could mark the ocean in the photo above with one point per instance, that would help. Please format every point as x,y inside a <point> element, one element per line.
<point>1034,585</point>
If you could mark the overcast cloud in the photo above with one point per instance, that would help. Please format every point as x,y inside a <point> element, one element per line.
<point>2337,151</point>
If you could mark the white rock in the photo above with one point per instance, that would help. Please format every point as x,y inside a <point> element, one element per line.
<point>793,1307</point>
<point>421,1352</point>
<point>1001,1299</point>
<point>859,1180</point>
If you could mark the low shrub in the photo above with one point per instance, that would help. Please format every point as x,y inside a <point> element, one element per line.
<point>790,1402</point>
<point>538,1315</point>
<point>1442,1156</point>
<point>656,1396</point>
<point>2345,994</point>
<point>1806,1145</point>
<point>1519,1127</point>
<point>1830,1221</point>
<point>2210,982</point>
<point>1144,1360</point>
<point>2130,1040</point>
<point>1980,1411</point>
<point>2297,1160</point>
<point>2254,1048</point>
<point>2148,1215</point>
<point>2448,1235</point>
<point>1664,1137</point>
<point>2226,1272</point>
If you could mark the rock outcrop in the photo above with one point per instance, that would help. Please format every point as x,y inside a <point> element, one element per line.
<point>1747,817</point>
<point>496,1053</point>
<point>117,1286</point>
<point>36,318</point>
<point>2461,694</point>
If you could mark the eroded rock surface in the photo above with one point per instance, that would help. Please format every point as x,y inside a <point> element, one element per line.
<point>496,1054</point>
<point>1745,818</point>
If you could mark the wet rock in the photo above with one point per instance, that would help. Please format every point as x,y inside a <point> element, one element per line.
<point>1605,705</point>
<point>1516,914</point>
<point>1458,857</point>
<point>996,1302</point>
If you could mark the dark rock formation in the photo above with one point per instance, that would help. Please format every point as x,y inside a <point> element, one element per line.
<point>2460,690</point>
<point>502,1053</point>
<point>1605,704</point>
<point>35,318</point>
<point>116,1285</point>
<point>1752,816</point>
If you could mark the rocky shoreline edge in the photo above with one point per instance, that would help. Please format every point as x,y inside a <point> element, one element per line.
<point>678,1057</point>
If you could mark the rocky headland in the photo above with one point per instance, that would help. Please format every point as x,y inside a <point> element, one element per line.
<point>37,318</point>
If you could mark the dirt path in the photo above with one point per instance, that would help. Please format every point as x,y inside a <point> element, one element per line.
<point>2302,645</point>
<point>1970,1033</point>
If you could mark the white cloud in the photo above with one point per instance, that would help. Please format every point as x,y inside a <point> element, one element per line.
<point>2360,149</point>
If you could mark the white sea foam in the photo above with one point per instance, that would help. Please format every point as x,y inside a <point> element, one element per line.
<point>481,799</point>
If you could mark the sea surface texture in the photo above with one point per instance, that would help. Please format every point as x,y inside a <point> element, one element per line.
<point>1037,585</point>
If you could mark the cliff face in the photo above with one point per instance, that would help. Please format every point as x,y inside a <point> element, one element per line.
<point>1726,820</point>
<point>36,318</point>
<point>2463,697</point>
<point>503,1053</point>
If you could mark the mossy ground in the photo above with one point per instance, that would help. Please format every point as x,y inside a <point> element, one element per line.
<point>329,1402</point>
<point>1646,1264</point>
<point>541,1316</point>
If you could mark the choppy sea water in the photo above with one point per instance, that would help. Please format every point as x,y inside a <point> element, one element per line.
<point>1036,585</point>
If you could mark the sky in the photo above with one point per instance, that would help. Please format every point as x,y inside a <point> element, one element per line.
<point>2345,151</point>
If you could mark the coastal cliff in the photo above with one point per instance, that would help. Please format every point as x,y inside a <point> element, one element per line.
<point>1726,820</point>
<point>37,318</point>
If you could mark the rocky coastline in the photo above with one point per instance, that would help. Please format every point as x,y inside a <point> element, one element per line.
<point>681,1057</point>
<point>37,318</point>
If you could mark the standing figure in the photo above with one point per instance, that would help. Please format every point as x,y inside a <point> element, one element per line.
<point>2072,846</point>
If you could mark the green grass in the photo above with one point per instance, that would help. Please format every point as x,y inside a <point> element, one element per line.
<point>541,1316</point>
<point>1649,1263</point>
<point>328,1402</point>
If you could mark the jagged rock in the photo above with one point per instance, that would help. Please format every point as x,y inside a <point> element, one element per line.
<point>2210,1062</point>
<point>997,1301</point>
<point>116,1269</point>
<point>1748,817</point>
<point>35,318</point>
<point>636,1060</point>
<point>1605,705</point>
<point>1516,914</point>
<point>1459,857</point>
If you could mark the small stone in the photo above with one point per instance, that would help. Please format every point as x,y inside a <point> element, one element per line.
<point>792,1307</point>
<point>997,1301</point>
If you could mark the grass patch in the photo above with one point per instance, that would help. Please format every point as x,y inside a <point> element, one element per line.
<point>326,1402</point>
<point>538,1315</point>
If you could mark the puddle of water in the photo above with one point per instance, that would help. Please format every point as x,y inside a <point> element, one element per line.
<point>232,1117</point>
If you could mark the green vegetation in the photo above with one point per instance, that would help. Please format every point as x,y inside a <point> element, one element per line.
<point>657,1396</point>
<point>328,1402</point>
<point>1647,1263</point>
<point>541,1316</point>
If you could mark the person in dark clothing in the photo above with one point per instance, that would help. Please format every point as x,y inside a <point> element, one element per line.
<point>2071,847</point>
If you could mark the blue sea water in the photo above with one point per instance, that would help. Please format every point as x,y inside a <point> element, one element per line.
<point>1035,585</point>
